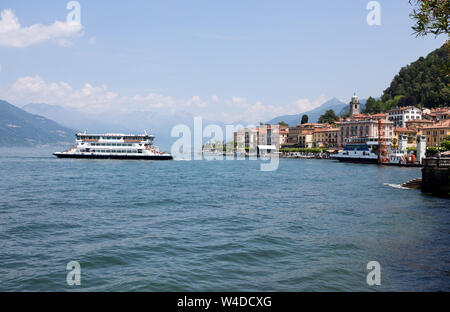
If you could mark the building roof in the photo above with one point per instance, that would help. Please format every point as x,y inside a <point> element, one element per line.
<point>359,116</point>
<point>327,130</point>
<point>441,125</point>
<point>402,109</point>
<point>400,129</point>
<point>419,121</point>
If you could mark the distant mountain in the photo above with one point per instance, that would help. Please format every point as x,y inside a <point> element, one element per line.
<point>313,115</point>
<point>20,128</point>
<point>73,119</point>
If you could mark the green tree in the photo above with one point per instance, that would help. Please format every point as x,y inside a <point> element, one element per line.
<point>329,117</point>
<point>431,17</point>
<point>407,101</point>
<point>373,106</point>
<point>282,123</point>
<point>305,119</point>
<point>446,145</point>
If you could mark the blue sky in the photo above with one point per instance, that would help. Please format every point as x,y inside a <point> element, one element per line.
<point>225,60</point>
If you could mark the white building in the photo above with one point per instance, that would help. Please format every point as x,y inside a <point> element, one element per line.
<point>400,115</point>
<point>267,137</point>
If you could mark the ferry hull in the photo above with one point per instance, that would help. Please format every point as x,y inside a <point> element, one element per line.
<point>357,160</point>
<point>138,157</point>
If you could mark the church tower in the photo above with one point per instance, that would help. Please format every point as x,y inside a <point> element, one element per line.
<point>355,106</point>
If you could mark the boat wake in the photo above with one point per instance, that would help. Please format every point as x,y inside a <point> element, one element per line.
<point>397,186</point>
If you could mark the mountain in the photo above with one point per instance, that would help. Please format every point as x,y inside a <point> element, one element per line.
<point>73,119</point>
<point>20,128</point>
<point>313,115</point>
<point>427,80</point>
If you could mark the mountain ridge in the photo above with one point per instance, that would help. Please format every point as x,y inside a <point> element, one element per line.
<point>20,128</point>
<point>313,115</point>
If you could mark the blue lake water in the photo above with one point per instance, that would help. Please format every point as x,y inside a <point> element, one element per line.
<point>311,225</point>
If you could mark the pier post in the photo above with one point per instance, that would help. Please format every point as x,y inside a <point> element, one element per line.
<point>436,176</point>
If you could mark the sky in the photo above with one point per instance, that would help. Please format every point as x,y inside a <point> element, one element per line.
<point>222,60</point>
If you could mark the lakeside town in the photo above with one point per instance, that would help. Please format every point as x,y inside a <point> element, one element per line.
<point>401,128</point>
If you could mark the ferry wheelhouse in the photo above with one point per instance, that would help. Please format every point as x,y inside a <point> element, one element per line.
<point>114,146</point>
<point>364,150</point>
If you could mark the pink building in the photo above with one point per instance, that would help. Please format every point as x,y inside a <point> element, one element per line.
<point>365,128</point>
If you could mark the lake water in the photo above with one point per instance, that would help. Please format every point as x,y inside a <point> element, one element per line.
<point>311,225</point>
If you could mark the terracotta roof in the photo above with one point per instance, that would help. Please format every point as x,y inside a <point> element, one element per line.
<point>441,125</point>
<point>402,108</point>
<point>399,129</point>
<point>419,121</point>
<point>327,130</point>
<point>441,110</point>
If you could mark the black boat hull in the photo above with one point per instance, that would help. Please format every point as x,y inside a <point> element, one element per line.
<point>357,160</point>
<point>138,157</point>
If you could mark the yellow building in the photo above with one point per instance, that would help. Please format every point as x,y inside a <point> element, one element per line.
<point>437,133</point>
<point>305,140</point>
<point>411,134</point>
<point>326,137</point>
<point>301,135</point>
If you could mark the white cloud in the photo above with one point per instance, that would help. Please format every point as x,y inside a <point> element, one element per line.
<point>12,34</point>
<point>35,90</point>
<point>197,101</point>
<point>97,99</point>
<point>304,105</point>
<point>237,100</point>
<point>151,101</point>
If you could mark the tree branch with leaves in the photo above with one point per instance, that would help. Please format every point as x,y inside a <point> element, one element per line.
<point>431,16</point>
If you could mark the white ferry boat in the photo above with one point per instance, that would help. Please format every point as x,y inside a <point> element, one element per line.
<point>359,150</point>
<point>114,146</point>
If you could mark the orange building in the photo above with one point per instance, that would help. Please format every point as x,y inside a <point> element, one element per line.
<point>437,133</point>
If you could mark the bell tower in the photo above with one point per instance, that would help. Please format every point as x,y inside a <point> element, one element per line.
<point>355,106</point>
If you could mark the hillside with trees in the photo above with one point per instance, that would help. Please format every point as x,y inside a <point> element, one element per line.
<point>425,83</point>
